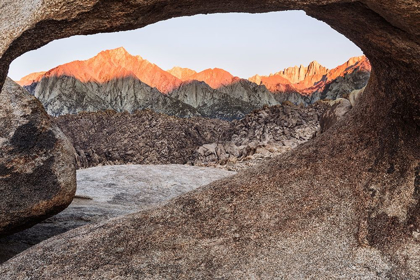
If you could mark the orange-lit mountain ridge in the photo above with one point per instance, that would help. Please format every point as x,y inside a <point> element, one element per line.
<point>31,78</point>
<point>112,64</point>
<point>118,63</point>
<point>215,77</point>
<point>307,80</point>
<point>182,73</point>
<point>116,80</point>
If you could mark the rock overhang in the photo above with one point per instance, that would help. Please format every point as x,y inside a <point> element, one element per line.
<point>351,197</point>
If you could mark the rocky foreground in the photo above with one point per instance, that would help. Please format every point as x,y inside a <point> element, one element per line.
<point>110,191</point>
<point>344,205</point>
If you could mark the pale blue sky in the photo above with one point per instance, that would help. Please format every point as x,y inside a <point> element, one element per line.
<point>243,44</point>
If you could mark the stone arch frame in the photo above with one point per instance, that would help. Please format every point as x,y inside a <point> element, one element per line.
<point>360,180</point>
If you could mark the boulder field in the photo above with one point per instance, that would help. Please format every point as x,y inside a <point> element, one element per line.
<point>196,141</point>
<point>343,205</point>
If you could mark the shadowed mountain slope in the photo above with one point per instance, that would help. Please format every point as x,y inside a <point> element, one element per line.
<point>68,95</point>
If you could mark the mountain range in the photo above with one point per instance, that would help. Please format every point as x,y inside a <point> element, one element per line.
<point>117,80</point>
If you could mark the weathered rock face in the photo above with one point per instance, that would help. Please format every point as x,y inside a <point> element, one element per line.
<point>344,205</point>
<point>37,176</point>
<point>337,110</point>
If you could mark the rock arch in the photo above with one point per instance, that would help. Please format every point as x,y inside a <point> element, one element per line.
<point>344,205</point>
